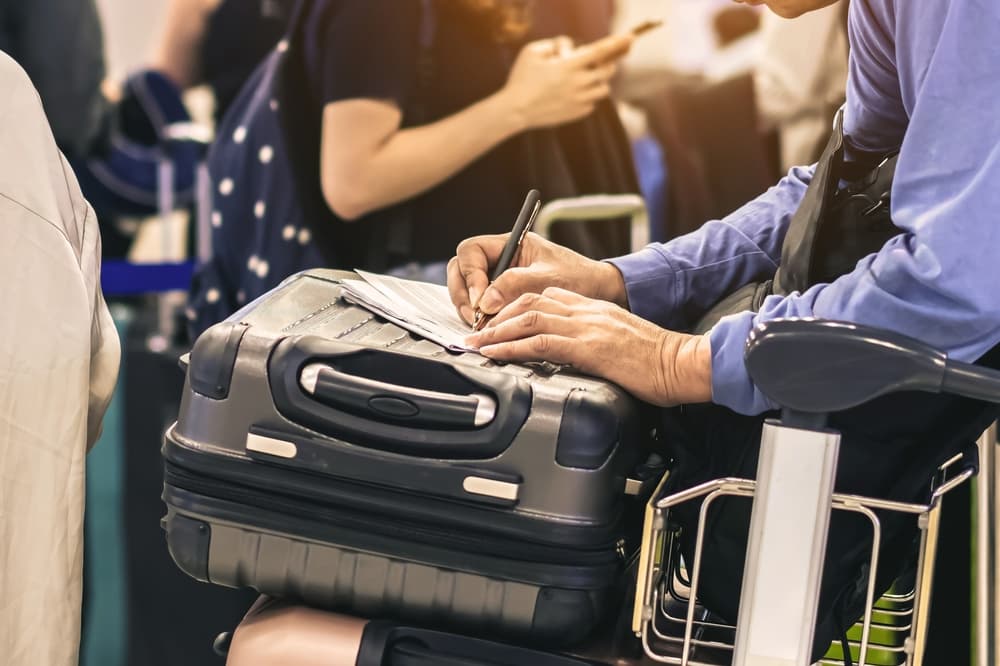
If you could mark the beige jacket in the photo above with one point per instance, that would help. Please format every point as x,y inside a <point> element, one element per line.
<point>59,356</point>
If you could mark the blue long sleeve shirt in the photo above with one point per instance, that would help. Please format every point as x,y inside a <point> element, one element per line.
<point>925,77</point>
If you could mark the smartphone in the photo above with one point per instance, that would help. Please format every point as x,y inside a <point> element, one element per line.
<point>645,26</point>
<point>638,30</point>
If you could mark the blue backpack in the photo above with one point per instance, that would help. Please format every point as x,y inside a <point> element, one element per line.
<point>267,216</point>
<point>258,230</point>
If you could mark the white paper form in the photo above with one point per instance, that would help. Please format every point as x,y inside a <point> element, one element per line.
<point>420,307</point>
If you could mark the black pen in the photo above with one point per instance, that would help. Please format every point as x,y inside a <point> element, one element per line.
<point>522,225</point>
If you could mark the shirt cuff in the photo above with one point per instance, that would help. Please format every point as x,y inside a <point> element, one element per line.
<point>649,284</point>
<point>731,385</point>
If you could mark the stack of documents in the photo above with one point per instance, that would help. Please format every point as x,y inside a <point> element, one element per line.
<point>419,307</point>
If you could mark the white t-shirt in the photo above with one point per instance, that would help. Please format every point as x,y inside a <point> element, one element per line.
<point>59,356</point>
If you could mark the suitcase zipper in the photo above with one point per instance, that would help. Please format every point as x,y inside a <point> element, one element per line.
<point>328,515</point>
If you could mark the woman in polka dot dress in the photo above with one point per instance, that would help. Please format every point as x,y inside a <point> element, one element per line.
<point>382,133</point>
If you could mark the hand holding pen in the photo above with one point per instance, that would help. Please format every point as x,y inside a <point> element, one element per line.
<point>522,225</point>
<point>475,283</point>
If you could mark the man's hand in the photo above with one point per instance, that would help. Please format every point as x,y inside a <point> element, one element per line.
<point>601,339</point>
<point>538,265</point>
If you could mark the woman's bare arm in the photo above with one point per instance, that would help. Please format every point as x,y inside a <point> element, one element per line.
<point>369,163</point>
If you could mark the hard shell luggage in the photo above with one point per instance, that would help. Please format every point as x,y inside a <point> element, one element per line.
<point>324,455</point>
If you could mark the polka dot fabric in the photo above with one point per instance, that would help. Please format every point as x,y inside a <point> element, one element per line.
<point>259,236</point>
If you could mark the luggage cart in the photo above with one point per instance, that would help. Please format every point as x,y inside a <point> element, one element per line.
<point>792,502</point>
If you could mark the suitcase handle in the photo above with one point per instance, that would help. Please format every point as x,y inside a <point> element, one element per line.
<point>393,401</point>
<point>383,400</point>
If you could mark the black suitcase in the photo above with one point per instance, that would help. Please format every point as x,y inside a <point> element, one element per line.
<point>324,455</point>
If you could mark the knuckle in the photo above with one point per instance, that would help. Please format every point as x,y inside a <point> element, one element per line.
<point>530,319</point>
<point>540,344</point>
<point>499,291</point>
<point>511,279</point>
<point>529,300</point>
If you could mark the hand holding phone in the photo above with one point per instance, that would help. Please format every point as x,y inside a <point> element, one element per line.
<point>646,26</point>
<point>615,47</point>
<point>552,82</point>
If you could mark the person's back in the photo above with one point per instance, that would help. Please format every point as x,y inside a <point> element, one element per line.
<point>58,365</point>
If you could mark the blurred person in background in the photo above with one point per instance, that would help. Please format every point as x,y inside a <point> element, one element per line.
<point>218,43</point>
<point>58,366</point>
<point>59,43</point>
<point>692,110</point>
<point>415,124</point>
<point>800,78</point>
<point>485,91</point>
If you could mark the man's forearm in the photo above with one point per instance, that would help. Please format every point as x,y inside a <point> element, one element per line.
<point>674,283</point>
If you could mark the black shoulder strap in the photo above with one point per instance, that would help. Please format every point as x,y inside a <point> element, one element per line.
<point>797,249</point>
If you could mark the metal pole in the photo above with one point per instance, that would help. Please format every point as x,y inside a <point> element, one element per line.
<point>203,214</point>
<point>987,590</point>
<point>787,546</point>
<point>165,203</point>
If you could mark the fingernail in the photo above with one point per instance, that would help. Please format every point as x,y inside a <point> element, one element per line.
<point>474,297</point>
<point>491,301</point>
